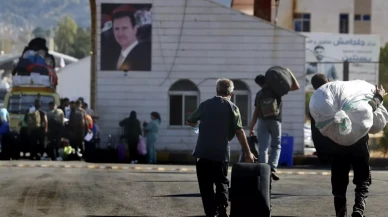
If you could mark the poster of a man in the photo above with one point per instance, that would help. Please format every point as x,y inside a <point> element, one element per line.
<point>322,66</point>
<point>126,37</point>
<point>327,52</point>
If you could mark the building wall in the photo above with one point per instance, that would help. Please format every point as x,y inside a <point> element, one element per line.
<point>379,19</point>
<point>325,16</point>
<point>72,80</point>
<point>200,40</point>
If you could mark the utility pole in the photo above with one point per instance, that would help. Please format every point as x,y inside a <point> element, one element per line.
<point>346,70</point>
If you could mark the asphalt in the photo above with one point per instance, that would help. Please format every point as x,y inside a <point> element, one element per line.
<point>79,189</point>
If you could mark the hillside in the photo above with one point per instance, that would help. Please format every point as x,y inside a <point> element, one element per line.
<point>28,14</point>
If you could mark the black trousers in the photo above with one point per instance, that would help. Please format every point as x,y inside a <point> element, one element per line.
<point>356,156</point>
<point>54,139</point>
<point>24,141</point>
<point>132,147</point>
<point>37,139</point>
<point>210,173</point>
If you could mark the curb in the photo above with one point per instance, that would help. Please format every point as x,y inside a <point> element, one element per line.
<point>145,168</point>
<point>186,158</point>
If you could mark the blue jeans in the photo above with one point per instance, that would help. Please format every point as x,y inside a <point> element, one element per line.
<point>269,130</point>
<point>151,153</point>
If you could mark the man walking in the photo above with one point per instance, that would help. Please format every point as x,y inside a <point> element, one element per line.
<point>268,110</point>
<point>219,120</point>
<point>343,157</point>
<point>37,124</point>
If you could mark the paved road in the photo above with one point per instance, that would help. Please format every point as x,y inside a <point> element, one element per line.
<point>83,192</point>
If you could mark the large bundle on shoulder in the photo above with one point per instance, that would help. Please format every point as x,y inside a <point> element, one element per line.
<point>342,112</point>
<point>36,66</point>
<point>278,79</point>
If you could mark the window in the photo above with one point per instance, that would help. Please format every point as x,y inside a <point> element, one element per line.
<point>19,104</point>
<point>344,23</point>
<point>302,22</point>
<point>184,96</point>
<point>366,17</point>
<point>241,97</point>
<point>362,17</point>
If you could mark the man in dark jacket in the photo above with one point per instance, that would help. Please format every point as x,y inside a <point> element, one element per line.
<point>344,157</point>
<point>219,120</point>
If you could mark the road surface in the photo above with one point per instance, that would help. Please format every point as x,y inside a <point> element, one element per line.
<point>90,191</point>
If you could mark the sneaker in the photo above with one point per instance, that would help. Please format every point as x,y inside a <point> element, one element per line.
<point>357,214</point>
<point>274,176</point>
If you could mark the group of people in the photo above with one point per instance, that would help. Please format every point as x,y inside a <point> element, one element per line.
<point>219,121</point>
<point>132,133</point>
<point>64,127</point>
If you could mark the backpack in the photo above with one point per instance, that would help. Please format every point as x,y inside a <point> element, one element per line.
<point>35,120</point>
<point>77,117</point>
<point>268,105</point>
<point>54,120</point>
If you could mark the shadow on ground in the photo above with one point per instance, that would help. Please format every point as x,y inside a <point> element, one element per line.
<point>169,181</point>
<point>273,196</point>
<point>147,216</point>
<point>181,195</point>
<point>156,216</point>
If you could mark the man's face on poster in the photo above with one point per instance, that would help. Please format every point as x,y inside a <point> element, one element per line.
<point>319,53</point>
<point>125,33</point>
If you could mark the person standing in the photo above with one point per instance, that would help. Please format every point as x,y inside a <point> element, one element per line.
<point>268,110</point>
<point>342,158</point>
<point>78,127</point>
<point>219,121</point>
<point>4,115</point>
<point>55,117</point>
<point>132,132</point>
<point>151,133</point>
<point>37,124</point>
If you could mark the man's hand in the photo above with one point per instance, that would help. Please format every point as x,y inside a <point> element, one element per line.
<point>380,91</point>
<point>251,132</point>
<point>250,158</point>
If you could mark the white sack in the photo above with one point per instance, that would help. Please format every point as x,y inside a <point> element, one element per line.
<point>342,113</point>
<point>380,118</point>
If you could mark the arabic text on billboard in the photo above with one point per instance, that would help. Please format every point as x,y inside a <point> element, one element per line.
<point>325,53</point>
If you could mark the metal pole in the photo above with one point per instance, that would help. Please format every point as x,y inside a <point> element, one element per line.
<point>346,70</point>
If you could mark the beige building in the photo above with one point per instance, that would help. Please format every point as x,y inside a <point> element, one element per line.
<point>333,16</point>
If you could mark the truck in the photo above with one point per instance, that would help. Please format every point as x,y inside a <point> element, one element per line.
<point>33,77</point>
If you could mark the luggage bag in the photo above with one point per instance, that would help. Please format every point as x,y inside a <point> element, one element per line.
<point>278,78</point>
<point>249,194</point>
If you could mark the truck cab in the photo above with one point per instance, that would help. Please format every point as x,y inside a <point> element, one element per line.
<point>20,99</point>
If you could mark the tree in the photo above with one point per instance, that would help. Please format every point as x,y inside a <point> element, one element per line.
<point>65,35</point>
<point>383,80</point>
<point>81,46</point>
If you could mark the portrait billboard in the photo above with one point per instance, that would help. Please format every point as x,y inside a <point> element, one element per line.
<point>326,53</point>
<point>126,37</point>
